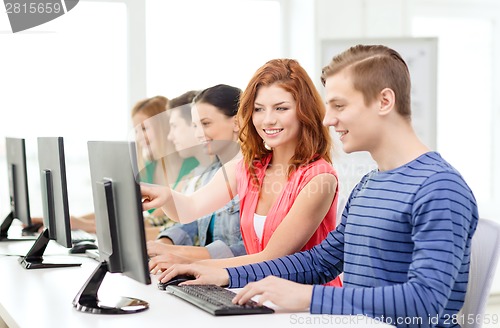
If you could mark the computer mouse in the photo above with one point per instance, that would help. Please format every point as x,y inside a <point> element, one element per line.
<point>82,246</point>
<point>175,281</point>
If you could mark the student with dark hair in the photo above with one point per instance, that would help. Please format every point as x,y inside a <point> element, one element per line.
<point>181,135</point>
<point>150,122</point>
<point>285,181</point>
<point>172,159</point>
<point>184,99</point>
<point>404,241</point>
<point>213,116</point>
<point>158,161</point>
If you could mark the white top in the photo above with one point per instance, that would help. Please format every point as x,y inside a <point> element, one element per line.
<point>258,224</point>
<point>193,177</point>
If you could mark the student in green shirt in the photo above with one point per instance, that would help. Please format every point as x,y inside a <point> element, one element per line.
<point>157,157</point>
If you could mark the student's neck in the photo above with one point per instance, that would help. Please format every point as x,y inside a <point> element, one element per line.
<point>282,156</point>
<point>398,148</point>
<point>229,153</point>
<point>205,160</point>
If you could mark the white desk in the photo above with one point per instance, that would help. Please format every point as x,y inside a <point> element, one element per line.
<point>43,298</point>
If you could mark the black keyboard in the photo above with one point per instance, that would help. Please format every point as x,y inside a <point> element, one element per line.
<point>81,235</point>
<point>216,300</point>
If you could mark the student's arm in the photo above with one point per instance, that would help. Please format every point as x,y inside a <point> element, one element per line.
<point>437,258</point>
<point>308,266</point>
<point>322,263</point>
<point>178,234</point>
<point>187,208</point>
<point>174,254</point>
<point>85,222</point>
<point>165,255</point>
<point>304,217</point>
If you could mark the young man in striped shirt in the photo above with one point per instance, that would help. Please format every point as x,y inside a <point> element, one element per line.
<point>404,240</point>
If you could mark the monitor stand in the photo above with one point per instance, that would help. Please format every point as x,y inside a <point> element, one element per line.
<point>4,228</point>
<point>34,258</point>
<point>87,301</point>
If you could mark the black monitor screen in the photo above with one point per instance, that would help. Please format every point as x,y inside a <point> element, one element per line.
<point>52,166</point>
<point>18,185</point>
<point>119,224</point>
<point>54,193</point>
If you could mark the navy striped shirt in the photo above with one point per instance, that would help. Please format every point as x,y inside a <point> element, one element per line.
<point>403,245</point>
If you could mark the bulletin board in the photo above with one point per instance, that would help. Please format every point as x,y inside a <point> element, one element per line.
<point>420,55</point>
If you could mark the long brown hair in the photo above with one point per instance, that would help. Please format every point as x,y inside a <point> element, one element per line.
<point>314,139</point>
<point>152,107</point>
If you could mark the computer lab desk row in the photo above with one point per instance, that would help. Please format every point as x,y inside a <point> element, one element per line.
<point>43,298</point>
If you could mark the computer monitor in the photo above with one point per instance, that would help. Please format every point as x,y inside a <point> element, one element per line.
<point>119,225</point>
<point>56,219</point>
<point>18,187</point>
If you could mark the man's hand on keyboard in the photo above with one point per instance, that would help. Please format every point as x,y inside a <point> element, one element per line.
<point>157,247</point>
<point>284,293</point>
<point>159,263</point>
<point>204,274</point>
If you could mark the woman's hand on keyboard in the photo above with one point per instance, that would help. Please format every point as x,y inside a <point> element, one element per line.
<point>159,263</point>
<point>204,274</point>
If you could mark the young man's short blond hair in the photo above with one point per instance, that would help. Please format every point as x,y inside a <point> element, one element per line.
<point>372,69</point>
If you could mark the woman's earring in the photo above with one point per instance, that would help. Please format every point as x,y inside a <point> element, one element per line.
<point>267,146</point>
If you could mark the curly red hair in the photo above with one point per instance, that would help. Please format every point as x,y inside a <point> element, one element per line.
<point>314,139</point>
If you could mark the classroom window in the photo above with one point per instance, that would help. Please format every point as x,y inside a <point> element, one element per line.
<point>465,101</point>
<point>64,78</point>
<point>194,44</point>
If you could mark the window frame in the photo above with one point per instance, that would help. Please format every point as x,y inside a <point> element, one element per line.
<point>479,9</point>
